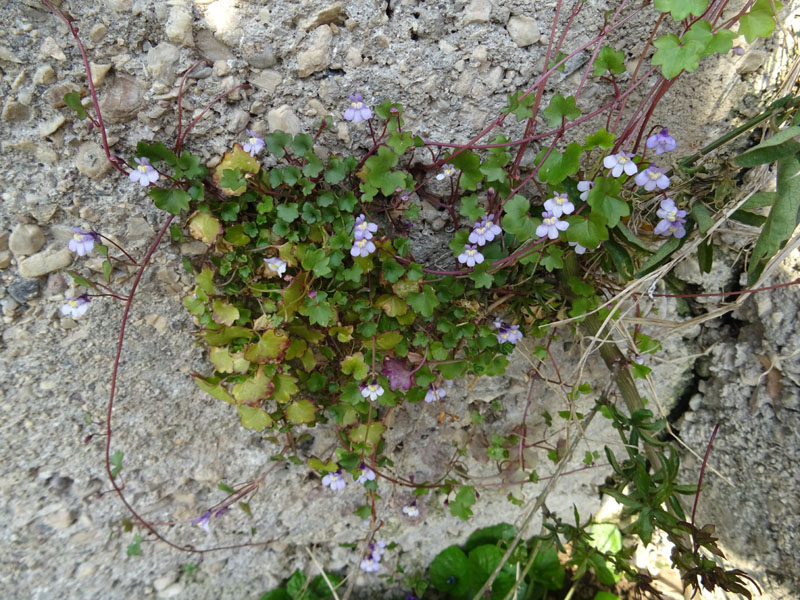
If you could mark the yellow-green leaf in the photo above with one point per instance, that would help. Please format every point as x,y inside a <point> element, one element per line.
<point>308,360</point>
<point>254,389</point>
<point>254,418</point>
<point>238,159</point>
<point>204,227</point>
<point>215,389</point>
<point>296,349</point>
<point>388,340</point>
<point>369,434</point>
<point>343,334</point>
<point>301,411</point>
<point>354,365</point>
<point>270,348</point>
<point>225,335</point>
<point>224,313</point>
<point>392,305</point>
<point>318,465</point>
<point>225,362</point>
<point>285,387</point>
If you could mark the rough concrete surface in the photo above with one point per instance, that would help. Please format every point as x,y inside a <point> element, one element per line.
<point>451,63</point>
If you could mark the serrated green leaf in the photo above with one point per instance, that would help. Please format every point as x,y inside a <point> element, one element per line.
<point>561,108</point>
<point>609,60</point>
<point>354,365</point>
<point>285,387</point>
<point>759,21</point>
<point>674,57</point>
<point>680,9</point>
<point>423,303</point>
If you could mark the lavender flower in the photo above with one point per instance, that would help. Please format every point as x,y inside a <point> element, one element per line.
<point>651,178</point>
<point>76,307</point>
<point>434,393</point>
<point>144,173</point>
<point>506,333</point>
<point>551,226</point>
<point>559,205</point>
<point>471,256</point>
<point>358,111</point>
<point>662,142</point>
<point>203,520</point>
<point>362,248</point>
<point>411,510</point>
<point>672,218</point>
<point>82,242</point>
<point>335,481</point>
<point>254,144</point>
<point>448,170</point>
<point>485,231</point>
<point>584,187</point>
<point>276,265</point>
<point>364,229</point>
<point>371,563</point>
<point>372,391</point>
<point>367,474</point>
<point>578,248</point>
<point>620,162</point>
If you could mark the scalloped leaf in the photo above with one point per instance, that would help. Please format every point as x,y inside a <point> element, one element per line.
<point>237,159</point>
<point>257,388</point>
<point>354,365</point>
<point>368,434</point>
<point>270,348</point>
<point>301,411</point>
<point>253,418</point>
<point>224,313</point>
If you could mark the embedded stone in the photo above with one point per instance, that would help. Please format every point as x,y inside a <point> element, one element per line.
<point>179,26</point>
<point>54,95</point>
<point>26,239</point>
<point>283,119</point>
<point>44,75</point>
<point>23,290</point>
<point>45,262</point>
<point>523,30</point>
<point>92,161</point>
<point>14,111</point>
<point>317,57</point>
<point>162,62</point>
<point>263,59</point>
<point>123,100</point>
<point>99,72</point>
<point>211,48</point>
<point>98,32</point>
<point>478,11</point>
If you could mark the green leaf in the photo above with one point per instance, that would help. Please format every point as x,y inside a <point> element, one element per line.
<point>470,208</point>
<point>204,227</point>
<point>547,569</point>
<point>388,340</point>
<point>700,32</point>
<point>224,313</point>
<point>318,310</point>
<point>782,219</point>
<point>469,164</point>
<point>301,411</point>
<point>135,549</point>
<point>449,572</point>
<point>483,560</point>
<point>254,389</point>
<point>557,59</point>
<point>313,166</point>
<point>116,461</point>
<point>270,348</point>
<point>609,60</point>
<point>673,57</point>
<point>602,198</point>
<point>288,212</point>
<point>285,387</point>
<point>80,280</point>
<point>587,232</point>
<point>380,174</point>
<point>368,434</point>
<point>702,217</point>
<point>759,21</point>
<point>354,365</point>
<point>490,535</point>
<point>783,144</point>
<point>172,201</point>
<point>552,260</point>
<point>521,108</point>
<point>254,419</point>
<point>156,152</point>
<point>561,108</point>
<point>316,261</point>
<point>73,100</point>
<point>400,142</point>
<point>423,303</point>
<point>481,277</point>
<point>605,537</point>
<point>214,389</point>
<point>236,236</point>
<point>660,256</point>
<point>276,141</point>
<point>517,221</point>
<point>621,258</point>
<point>190,166</point>
<point>680,9</point>
<point>557,167</point>
<point>392,270</point>
<point>460,505</point>
<point>601,139</point>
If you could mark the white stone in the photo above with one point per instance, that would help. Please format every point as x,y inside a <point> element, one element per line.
<point>45,262</point>
<point>98,32</point>
<point>317,57</point>
<point>162,61</point>
<point>268,80</point>
<point>99,73</point>
<point>44,75</point>
<point>523,30</point>
<point>478,11</point>
<point>26,239</point>
<point>283,119</point>
<point>179,26</point>
<point>50,126</point>
<point>92,161</point>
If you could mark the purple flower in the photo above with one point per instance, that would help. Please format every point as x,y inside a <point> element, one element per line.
<point>584,187</point>
<point>578,248</point>
<point>470,256</point>
<point>559,205</point>
<point>620,162</point>
<point>276,265</point>
<point>254,144</point>
<point>485,231</point>
<point>662,142</point>
<point>651,178</point>
<point>411,510</point>
<point>358,111</point>
<point>202,521</point>
<point>144,173</point>
<point>372,391</point>
<point>377,549</point>
<point>506,333</point>
<point>367,474</point>
<point>76,307</point>
<point>362,248</point>
<point>370,565</point>
<point>434,393</point>
<point>672,220</point>
<point>363,229</point>
<point>82,242</point>
<point>334,480</point>
<point>448,170</point>
<point>551,226</point>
